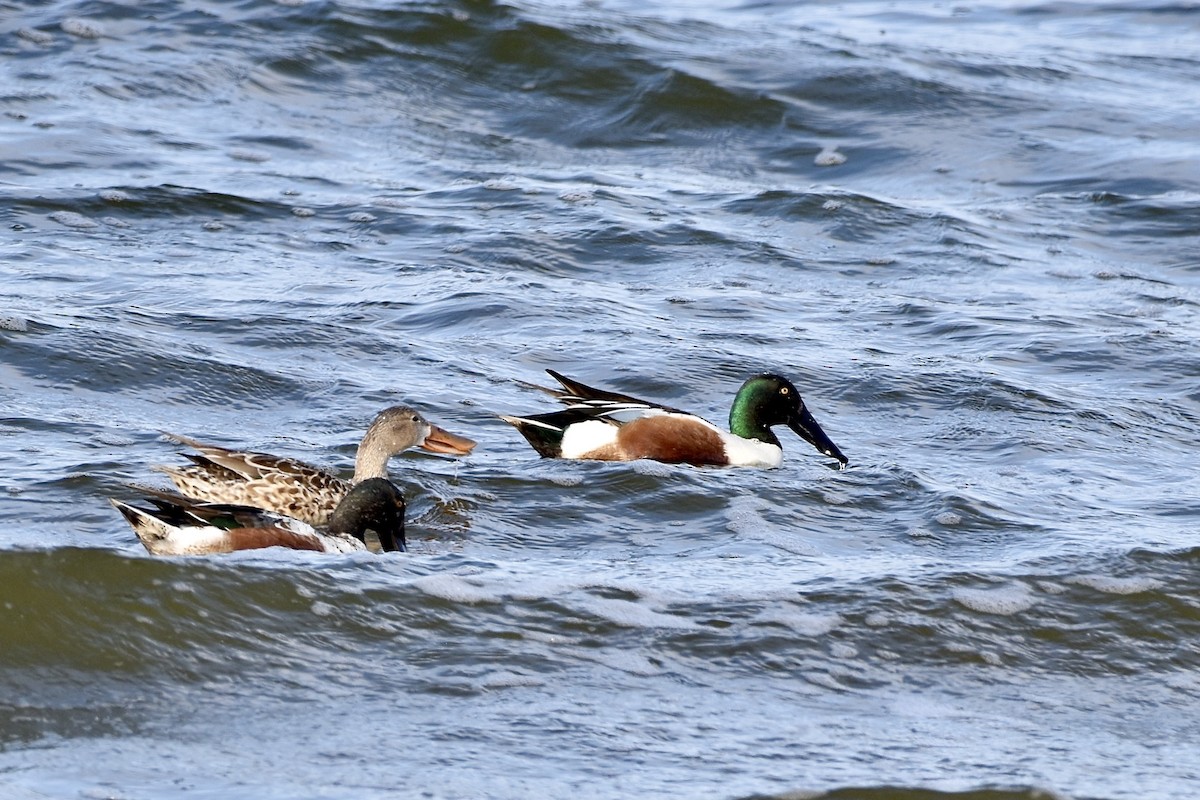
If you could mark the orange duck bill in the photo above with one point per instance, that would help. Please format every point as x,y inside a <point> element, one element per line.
<point>443,441</point>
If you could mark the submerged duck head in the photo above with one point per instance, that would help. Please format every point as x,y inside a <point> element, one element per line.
<point>374,504</point>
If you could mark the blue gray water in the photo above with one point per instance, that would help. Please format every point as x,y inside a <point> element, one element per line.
<point>968,232</point>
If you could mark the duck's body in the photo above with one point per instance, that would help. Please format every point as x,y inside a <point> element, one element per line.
<point>298,489</point>
<point>178,526</point>
<point>606,426</point>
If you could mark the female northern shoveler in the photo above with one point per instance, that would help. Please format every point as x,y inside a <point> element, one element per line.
<point>614,427</point>
<point>177,526</point>
<point>300,490</point>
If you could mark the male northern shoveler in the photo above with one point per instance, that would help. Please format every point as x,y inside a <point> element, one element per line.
<point>298,489</point>
<point>177,526</point>
<point>606,426</point>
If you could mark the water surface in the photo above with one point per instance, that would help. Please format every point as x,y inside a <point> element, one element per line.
<point>967,232</point>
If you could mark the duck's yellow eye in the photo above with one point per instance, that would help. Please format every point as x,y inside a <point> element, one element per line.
<point>783,390</point>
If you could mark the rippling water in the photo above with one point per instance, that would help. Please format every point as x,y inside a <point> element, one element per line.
<point>968,232</point>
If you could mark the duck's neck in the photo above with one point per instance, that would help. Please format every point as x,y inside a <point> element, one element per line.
<point>372,458</point>
<point>746,422</point>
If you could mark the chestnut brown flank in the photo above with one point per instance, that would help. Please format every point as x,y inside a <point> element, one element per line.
<point>669,439</point>
<point>254,538</point>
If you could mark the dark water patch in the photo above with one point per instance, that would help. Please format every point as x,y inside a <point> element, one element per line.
<point>887,92</point>
<point>33,720</point>
<point>130,616</point>
<point>610,92</point>
<point>99,361</point>
<point>854,217</point>
<point>454,53</point>
<point>578,495</point>
<point>996,70</point>
<point>463,311</point>
<point>571,66</point>
<point>886,792</point>
<point>152,620</point>
<point>347,333</point>
<point>616,98</point>
<point>672,102</point>
<point>489,193</point>
<point>28,167</point>
<point>1088,191</point>
<point>363,33</point>
<point>648,246</point>
<point>1165,213</point>
<point>1162,66</point>
<point>275,141</point>
<point>952,385</point>
<point>137,204</point>
<point>1074,623</point>
<point>586,249</point>
<point>178,77</point>
<point>1072,10</point>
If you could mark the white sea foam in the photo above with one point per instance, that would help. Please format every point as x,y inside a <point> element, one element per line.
<point>825,680</point>
<point>809,624</point>
<point>631,614</point>
<point>843,650</point>
<point>991,658</point>
<point>82,28</point>
<point>1110,584</point>
<point>1005,600</point>
<point>454,588</point>
<point>578,196</point>
<point>829,157</point>
<point>72,219</point>
<point>745,518</point>
<point>743,515</point>
<point>508,680</point>
<point>656,469</point>
<point>501,185</point>
<point>35,36</point>
<point>566,479</point>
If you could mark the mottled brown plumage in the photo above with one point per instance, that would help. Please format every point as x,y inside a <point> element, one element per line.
<point>298,489</point>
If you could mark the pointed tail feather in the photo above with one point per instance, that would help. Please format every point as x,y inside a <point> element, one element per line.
<point>581,392</point>
<point>153,533</point>
<point>187,441</point>
<point>545,438</point>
